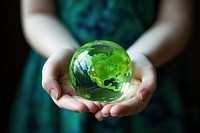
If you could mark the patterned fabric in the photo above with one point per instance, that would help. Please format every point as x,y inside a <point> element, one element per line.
<point>121,21</point>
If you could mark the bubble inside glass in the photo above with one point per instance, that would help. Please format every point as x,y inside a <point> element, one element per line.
<point>101,71</point>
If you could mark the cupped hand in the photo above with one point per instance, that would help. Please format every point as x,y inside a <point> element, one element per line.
<point>55,80</point>
<point>139,94</point>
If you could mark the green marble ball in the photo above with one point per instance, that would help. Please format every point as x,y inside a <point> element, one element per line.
<point>101,71</point>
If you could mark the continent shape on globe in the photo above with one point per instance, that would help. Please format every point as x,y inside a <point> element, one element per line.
<point>101,71</point>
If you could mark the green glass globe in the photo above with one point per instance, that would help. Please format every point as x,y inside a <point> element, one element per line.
<point>101,71</point>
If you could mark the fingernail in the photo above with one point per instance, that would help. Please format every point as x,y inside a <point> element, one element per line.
<point>113,115</point>
<point>105,115</point>
<point>143,95</point>
<point>53,93</point>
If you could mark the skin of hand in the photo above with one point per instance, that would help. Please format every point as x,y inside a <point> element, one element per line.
<point>55,80</point>
<point>48,36</point>
<point>137,99</point>
<point>162,42</point>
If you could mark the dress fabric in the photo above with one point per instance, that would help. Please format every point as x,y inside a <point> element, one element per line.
<point>121,21</point>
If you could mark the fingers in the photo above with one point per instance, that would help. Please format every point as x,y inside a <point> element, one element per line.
<point>106,110</point>
<point>139,94</point>
<point>132,103</point>
<point>77,104</point>
<point>124,108</point>
<point>104,113</point>
<point>69,103</point>
<point>73,103</point>
<point>128,107</point>
<point>92,107</point>
<point>65,101</point>
<point>99,116</point>
<point>98,104</point>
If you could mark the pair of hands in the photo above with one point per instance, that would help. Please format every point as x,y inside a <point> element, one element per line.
<point>56,72</point>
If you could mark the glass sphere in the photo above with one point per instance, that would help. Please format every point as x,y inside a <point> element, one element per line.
<point>101,71</point>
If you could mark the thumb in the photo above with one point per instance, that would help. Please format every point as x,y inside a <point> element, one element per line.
<point>50,73</point>
<point>52,87</point>
<point>148,84</point>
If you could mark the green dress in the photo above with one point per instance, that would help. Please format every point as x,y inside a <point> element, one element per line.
<point>121,21</point>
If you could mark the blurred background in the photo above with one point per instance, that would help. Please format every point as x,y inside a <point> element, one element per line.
<point>14,50</point>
